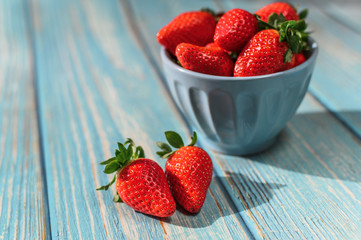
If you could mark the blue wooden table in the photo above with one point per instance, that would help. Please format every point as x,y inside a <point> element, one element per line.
<point>78,76</point>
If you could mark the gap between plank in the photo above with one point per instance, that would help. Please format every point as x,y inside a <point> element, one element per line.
<point>31,39</point>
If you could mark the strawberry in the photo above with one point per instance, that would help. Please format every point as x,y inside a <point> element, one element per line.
<point>208,60</point>
<point>287,10</point>
<point>300,58</point>
<point>188,170</point>
<point>272,49</point>
<point>195,27</point>
<point>213,45</point>
<point>233,55</point>
<point>262,55</point>
<point>234,29</point>
<point>297,59</point>
<point>140,182</point>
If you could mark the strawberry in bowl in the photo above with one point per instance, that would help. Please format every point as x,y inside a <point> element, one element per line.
<point>241,111</point>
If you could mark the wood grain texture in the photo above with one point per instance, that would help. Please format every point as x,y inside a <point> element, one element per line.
<point>343,12</point>
<point>99,80</point>
<point>337,78</point>
<point>23,203</point>
<point>96,88</point>
<point>307,185</point>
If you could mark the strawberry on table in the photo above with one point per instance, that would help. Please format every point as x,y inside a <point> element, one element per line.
<point>140,182</point>
<point>234,29</point>
<point>208,60</point>
<point>287,10</point>
<point>195,27</point>
<point>188,170</point>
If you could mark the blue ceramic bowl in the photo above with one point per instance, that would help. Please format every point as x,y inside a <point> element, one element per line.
<point>238,115</point>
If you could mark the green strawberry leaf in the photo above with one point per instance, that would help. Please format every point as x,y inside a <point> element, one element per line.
<point>305,46</point>
<point>168,154</point>
<point>304,35</point>
<point>174,139</point>
<point>161,153</point>
<point>283,35</point>
<point>165,147</point>
<point>288,56</point>
<point>194,139</point>
<point>262,25</point>
<point>129,141</point>
<point>123,153</point>
<point>108,161</point>
<point>164,154</point>
<point>123,156</point>
<point>208,10</point>
<point>276,19</point>
<point>300,26</point>
<point>106,187</point>
<point>116,198</point>
<point>117,152</point>
<point>303,14</point>
<point>293,32</point>
<point>139,152</point>
<point>129,151</point>
<point>295,43</point>
<point>112,167</point>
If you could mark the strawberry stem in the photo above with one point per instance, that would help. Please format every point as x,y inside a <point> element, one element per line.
<point>125,154</point>
<point>194,139</point>
<point>176,141</point>
<point>208,10</point>
<point>292,32</point>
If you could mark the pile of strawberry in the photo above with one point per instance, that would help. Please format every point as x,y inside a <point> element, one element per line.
<point>238,43</point>
<point>143,185</point>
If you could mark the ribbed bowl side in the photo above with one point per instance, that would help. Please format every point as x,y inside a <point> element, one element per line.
<point>237,116</point>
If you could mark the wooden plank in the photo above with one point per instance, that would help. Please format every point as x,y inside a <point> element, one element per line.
<point>91,72</point>
<point>23,202</point>
<point>343,12</point>
<point>307,185</point>
<point>312,175</point>
<point>96,88</point>
<point>336,81</point>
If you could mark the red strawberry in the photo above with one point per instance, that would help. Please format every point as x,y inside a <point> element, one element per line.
<point>278,7</point>
<point>188,170</point>
<point>263,54</point>
<point>300,58</point>
<point>208,60</point>
<point>297,59</point>
<point>213,45</point>
<point>272,50</point>
<point>140,182</point>
<point>190,27</point>
<point>234,29</point>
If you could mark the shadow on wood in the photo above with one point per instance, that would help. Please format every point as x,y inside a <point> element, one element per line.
<point>220,207</point>
<point>318,144</point>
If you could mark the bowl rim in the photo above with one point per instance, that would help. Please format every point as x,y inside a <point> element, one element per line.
<point>314,51</point>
